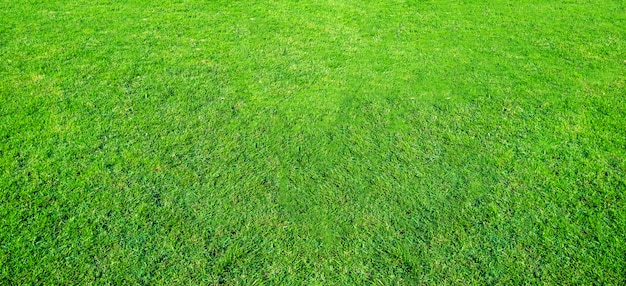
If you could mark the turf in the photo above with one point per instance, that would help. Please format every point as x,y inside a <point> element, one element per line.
<point>313,142</point>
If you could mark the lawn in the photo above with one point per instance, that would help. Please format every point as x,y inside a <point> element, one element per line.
<point>325,142</point>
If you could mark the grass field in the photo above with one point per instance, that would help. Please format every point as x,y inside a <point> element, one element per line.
<point>313,142</point>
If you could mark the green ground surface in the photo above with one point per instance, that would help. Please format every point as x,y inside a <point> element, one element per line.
<point>315,142</point>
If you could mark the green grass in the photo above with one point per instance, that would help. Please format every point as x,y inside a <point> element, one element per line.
<point>313,142</point>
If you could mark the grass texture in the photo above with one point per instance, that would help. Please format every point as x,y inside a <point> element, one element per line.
<point>313,142</point>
